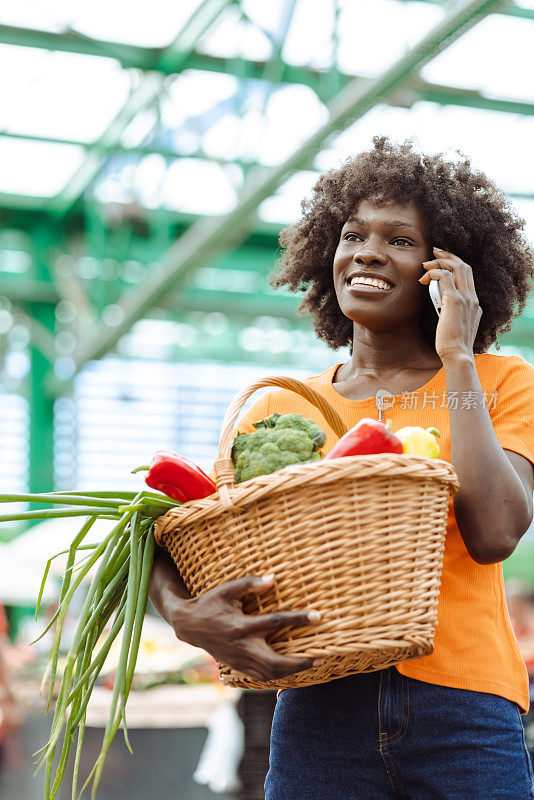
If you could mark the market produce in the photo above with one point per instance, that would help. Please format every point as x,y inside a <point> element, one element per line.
<point>177,477</point>
<point>366,437</point>
<point>117,596</point>
<point>294,422</point>
<point>120,588</point>
<point>419,441</point>
<point>280,440</point>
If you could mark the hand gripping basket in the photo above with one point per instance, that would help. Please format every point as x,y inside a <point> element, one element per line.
<point>359,538</point>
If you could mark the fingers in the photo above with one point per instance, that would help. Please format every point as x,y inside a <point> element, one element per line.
<point>442,275</point>
<point>470,282</point>
<point>449,279</point>
<point>462,272</point>
<point>456,269</point>
<point>279,665</point>
<point>241,587</point>
<point>265,664</point>
<point>264,623</point>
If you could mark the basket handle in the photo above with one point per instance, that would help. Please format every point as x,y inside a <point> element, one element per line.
<point>223,466</point>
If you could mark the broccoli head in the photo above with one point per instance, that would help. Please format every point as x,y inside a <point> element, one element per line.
<point>292,440</point>
<point>239,444</point>
<point>296,422</point>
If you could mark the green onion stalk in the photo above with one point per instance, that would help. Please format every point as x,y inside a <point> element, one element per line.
<point>120,588</point>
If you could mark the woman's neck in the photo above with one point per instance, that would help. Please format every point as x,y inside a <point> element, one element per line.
<point>383,353</point>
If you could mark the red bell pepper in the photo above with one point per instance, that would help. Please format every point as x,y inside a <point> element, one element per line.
<point>178,477</point>
<point>366,437</point>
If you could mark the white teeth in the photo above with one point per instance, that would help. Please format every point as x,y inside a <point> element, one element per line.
<point>369,281</point>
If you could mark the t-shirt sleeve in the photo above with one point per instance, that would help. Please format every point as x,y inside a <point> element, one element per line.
<point>513,413</point>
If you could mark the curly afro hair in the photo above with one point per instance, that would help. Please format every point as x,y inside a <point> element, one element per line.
<point>465,213</point>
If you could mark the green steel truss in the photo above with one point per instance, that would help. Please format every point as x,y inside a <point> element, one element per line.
<point>73,270</point>
<point>177,257</point>
<point>208,237</point>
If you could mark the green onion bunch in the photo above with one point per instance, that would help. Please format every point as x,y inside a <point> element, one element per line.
<point>120,588</point>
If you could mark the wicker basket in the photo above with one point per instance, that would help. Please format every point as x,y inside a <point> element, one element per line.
<point>359,538</point>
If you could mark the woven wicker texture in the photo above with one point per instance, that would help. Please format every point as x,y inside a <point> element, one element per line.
<point>359,538</point>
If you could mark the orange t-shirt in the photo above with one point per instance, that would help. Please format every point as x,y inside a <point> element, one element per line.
<point>475,647</point>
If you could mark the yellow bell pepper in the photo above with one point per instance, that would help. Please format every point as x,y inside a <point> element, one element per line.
<point>419,441</point>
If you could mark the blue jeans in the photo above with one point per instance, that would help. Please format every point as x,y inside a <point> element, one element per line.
<point>383,736</point>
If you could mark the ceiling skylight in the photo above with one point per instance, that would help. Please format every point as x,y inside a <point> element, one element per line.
<point>233,37</point>
<point>40,169</point>
<point>500,54</point>
<point>153,24</point>
<point>59,95</point>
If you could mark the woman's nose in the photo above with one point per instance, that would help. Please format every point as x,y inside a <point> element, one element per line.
<point>369,255</point>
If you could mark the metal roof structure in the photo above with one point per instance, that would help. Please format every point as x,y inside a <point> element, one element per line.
<point>150,156</point>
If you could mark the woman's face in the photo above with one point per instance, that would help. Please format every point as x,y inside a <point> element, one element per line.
<point>388,243</point>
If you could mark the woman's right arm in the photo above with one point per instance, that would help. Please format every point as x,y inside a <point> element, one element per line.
<point>215,621</point>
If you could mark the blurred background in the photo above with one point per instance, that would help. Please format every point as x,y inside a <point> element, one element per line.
<point>149,157</point>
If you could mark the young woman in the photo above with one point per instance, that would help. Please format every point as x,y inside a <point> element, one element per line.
<point>446,726</point>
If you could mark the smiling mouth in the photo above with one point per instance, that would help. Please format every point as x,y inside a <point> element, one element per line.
<point>368,284</point>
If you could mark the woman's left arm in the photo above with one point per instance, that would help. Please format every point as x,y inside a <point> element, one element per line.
<point>493,507</point>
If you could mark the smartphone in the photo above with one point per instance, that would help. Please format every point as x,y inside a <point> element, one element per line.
<point>436,294</point>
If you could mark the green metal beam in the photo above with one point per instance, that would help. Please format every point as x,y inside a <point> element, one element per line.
<point>109,143</point>
<point>235,304</point>
<point>71,288</point>
<point>142,96</point>
<point>24,202</point>
<point>521,195</point>
<point>70,41</point>
<point>208,237</point>
<point>174,56</point>
<point>24,219</point>
<point>414,91</point>
<point>421,90</point>
<point>131,56</point>
<point>519,11</point>
<point>24,290</point>
<point>256,70</point>
<point>511,10</point>
<point>97,147</point>
<point>41,477</point>
<point>41,335</point>
<point>452,96</point>
<point>41,472</point>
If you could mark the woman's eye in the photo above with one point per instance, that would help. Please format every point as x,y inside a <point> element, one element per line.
<point>402,241</point>
<point>351,237</point>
